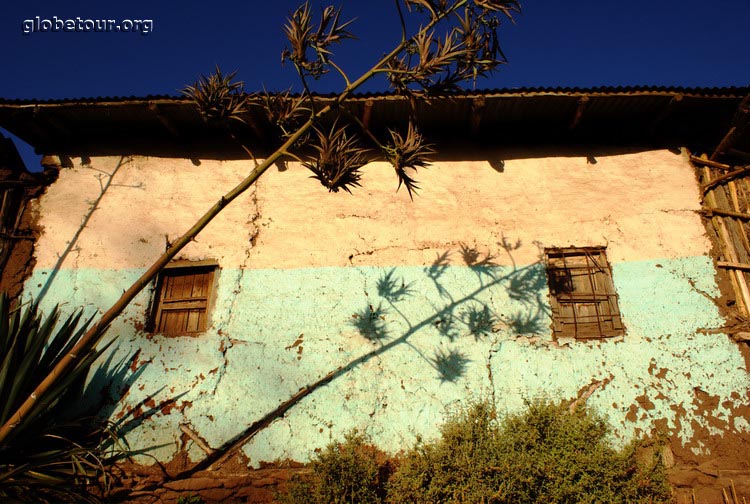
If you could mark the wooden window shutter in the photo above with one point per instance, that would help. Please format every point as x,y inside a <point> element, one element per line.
<point>183,300</point>
<point>582,295</point>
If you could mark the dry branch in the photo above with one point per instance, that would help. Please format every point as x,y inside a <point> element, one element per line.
<point>710,212</point>
<point>708,162</point>
<point>729,176</point>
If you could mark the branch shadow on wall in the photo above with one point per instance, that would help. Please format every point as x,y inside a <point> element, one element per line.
<point>105,183</point>
<point>454,317</point>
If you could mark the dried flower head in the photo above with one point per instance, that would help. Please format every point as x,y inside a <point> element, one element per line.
<point>309,45</point>
<point>219,97</point>
<point>339,158</point>
<point>408,152</point>
<point>284,111</point>
<point>468,50</point>
<point>435,8</point>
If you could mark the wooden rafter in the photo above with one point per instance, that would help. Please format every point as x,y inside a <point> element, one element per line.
<point>731,265</point>
<point>164,120</point>
<point>707,162</point>
<point>367,113</point>
<point>665,112</point>
<point>477,109</point>
<point>739,154</point>
<point>740,125</point>
<point>710,212</point>
<point>583,102</point>
<point>724,178</point>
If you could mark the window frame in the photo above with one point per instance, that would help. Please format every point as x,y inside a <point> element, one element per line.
<point>203,302</point>
<point>586,274</point>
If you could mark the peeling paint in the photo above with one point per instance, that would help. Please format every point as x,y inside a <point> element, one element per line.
<point>388,311</point>
<point>395,389</point>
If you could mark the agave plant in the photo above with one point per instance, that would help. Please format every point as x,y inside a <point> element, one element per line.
<point>420,63</point>
<point>52,455</point>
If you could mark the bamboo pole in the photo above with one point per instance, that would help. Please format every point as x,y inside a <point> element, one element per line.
<point>707,162</point>
<point>742,292</point>
<point>732,185</point>
<point>710,212</point>
<point>731,265</point>
<point>92,337</point>
<point>745,190</point>
<point>734,227</point>
<point>733,196</point>
<point>728,176</point>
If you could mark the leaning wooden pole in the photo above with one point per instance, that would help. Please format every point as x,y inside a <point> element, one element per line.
<point>96,332</point>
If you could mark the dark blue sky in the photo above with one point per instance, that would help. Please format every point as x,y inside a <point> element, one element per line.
<point>553,43</point>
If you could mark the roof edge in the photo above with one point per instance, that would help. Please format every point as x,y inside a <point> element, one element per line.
<point>645,90</point>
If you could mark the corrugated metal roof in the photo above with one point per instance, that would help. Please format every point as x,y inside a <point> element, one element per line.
<point>171,125</point>
<point>608,90</point>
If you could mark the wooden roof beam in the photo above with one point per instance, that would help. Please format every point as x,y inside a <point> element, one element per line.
<point>739,154</point>
<point>367,113</point>
<point>31,123</point>
<point>723,178</point>
<point>583,102</point>
<point>712,164</point>
<point>739,125</point>
<point>164,120</point>
<point>477,108</point>
<point>665,112</point>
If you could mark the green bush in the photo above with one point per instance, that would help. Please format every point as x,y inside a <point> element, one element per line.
<point>190,499</point>
<point>546,454</point>
<point>353,471</point>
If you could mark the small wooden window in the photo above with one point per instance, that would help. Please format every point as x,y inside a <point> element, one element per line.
<point>582,294</point>
<point>183,298</point>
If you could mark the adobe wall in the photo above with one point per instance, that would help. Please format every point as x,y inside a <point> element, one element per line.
<point>408,307</point>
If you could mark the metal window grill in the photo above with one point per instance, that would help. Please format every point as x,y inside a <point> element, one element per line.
<point>582,295</point>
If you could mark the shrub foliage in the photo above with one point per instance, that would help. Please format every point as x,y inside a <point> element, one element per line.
<point>544,454</point>
<point>350,471</point>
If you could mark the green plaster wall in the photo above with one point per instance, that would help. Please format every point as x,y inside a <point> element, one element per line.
<point>410,341</point>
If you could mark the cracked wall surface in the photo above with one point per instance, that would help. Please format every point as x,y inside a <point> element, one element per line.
<point>390,311</point>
